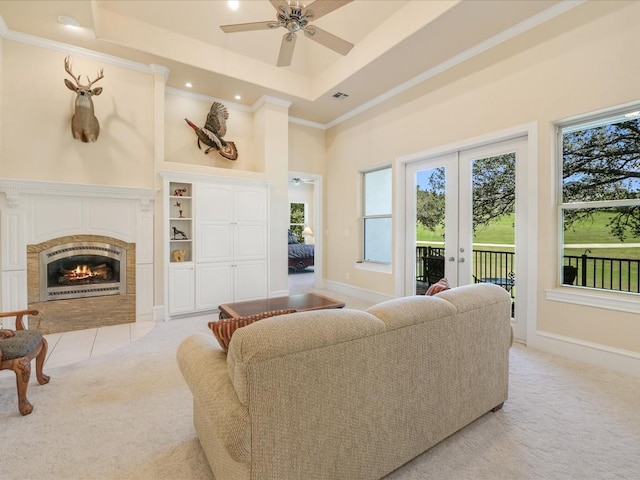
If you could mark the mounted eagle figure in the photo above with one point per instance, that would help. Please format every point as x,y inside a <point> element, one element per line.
<point>214,129</point>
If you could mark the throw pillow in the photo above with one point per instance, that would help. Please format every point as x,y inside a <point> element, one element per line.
<point>440,286</point>
<point>223,329</point>
<point>292,238</point>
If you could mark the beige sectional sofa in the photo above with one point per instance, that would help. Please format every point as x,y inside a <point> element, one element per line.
<point>346,394</point>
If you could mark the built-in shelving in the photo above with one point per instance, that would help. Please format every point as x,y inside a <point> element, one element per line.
<point>180,222</point>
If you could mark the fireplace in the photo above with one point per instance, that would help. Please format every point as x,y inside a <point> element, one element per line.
<point>82,269</point>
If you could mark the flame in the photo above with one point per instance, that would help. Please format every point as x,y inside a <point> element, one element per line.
<point>82,271</point>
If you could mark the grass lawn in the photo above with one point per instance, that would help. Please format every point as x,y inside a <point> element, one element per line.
<point>501,231</point>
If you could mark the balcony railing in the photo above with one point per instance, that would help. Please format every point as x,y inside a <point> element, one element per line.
<point>617,274</point>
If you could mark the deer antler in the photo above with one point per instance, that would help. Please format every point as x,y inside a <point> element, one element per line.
<point>100,75</point>
<point>67,68</point>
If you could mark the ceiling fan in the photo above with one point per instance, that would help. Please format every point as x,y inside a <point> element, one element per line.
<point>295,17</point>
<point>299,181</point>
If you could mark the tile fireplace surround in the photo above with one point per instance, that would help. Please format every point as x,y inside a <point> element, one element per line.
<point>35,215</point>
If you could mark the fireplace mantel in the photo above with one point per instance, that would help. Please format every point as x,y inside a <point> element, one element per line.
<point>14,188</point>
<point>32,212</point>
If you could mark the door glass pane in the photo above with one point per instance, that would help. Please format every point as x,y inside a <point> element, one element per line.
<point>430,224</point>
<point>493,212</point>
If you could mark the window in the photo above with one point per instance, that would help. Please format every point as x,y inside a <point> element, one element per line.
<point>599,202</point>
<point>297,219</point>
<point>376,217</point>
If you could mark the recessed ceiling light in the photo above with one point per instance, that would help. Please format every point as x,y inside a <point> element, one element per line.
<point>233,4</point>
<point>238,97</point>
<point>188,85</point>
<point>68,21</point>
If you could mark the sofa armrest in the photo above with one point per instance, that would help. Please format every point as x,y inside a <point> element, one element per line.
<point>204,367</point>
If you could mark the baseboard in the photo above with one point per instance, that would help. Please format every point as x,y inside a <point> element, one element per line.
<point>620,360</point>
<point>357,292</point>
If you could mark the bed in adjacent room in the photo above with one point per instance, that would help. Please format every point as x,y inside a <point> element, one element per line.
<point>300,254</point>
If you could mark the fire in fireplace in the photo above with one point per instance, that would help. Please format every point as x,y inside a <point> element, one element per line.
<point>82,269</point>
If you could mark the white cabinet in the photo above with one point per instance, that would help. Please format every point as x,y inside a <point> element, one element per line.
<point>224,257</point>
<point>181,288</point>
<point>231,240</point>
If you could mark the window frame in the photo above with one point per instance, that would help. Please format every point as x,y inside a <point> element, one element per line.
<point>373,264</point>
<point>585,295</point>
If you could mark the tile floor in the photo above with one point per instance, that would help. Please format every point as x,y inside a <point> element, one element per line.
<point>71,347</point>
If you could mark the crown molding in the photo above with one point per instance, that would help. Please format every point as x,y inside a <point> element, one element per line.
<point>164,71</point>
<point>65,48</point>
<point>307,123</point>
<point>263,100</point>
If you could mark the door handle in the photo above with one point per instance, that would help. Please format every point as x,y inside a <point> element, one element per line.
<point>451,259</point>
<point>461,259</point>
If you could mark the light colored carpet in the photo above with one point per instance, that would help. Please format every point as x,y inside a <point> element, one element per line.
<point>127,415</point>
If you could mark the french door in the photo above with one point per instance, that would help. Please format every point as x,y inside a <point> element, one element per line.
<point>460,217</point>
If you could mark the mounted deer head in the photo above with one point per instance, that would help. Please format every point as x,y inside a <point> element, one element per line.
<point>84,124</point>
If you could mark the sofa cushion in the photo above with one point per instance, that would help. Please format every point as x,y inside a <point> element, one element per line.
<point>223,329</point>
<point>440,286</point>
<point>292,335</point>
<point>403,312</point>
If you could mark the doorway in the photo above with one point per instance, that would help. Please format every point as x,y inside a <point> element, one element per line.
<point>460,218</point>
<point>304,256</point>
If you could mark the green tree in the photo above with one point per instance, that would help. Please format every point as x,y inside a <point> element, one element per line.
<point>598,163</point>
<point>603,163</point>
<point>296,220</point>
<point>493,193</point>
<point>430,201</point>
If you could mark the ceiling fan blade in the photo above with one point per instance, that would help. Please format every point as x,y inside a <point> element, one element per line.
<point>327,39</point>
<point>247,27</point>
<point>320,8</point>
<point>286,49</point>
<point>280,3</point>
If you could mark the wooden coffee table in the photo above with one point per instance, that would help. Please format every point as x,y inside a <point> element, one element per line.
<point>301,303</point>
